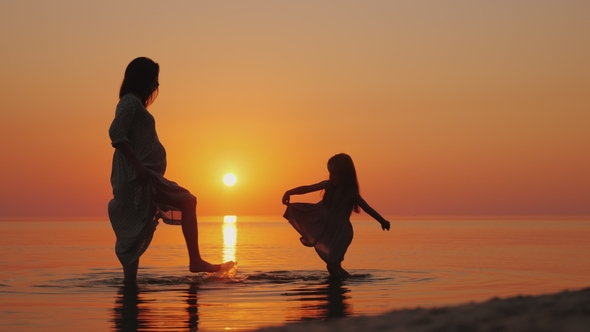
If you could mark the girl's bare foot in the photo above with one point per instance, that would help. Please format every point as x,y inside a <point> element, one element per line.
<point>203,266</point>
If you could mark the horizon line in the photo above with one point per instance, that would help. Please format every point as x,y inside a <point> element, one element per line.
<point>209,218</point>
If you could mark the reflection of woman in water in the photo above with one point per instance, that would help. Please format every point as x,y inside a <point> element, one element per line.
<point>129,313</point>
<point>141,192</point>
<point>326,225</point>
<point>134,312</point>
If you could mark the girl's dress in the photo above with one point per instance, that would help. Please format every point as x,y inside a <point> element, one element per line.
<point>326,228</point>
<point>133,211</point>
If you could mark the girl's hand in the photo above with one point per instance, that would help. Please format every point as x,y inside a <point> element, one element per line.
<point>286,198</point>
<point>385,225</point>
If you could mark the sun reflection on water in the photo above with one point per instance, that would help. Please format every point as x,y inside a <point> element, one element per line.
<point>230,237</point>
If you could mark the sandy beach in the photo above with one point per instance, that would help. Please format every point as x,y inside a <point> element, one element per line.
<point>567,311</point>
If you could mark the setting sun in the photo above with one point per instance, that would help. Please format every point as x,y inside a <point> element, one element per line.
<point>230,179</point>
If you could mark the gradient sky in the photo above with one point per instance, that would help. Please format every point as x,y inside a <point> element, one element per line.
<point>446,107</point>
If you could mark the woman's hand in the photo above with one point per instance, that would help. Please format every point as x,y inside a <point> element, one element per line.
<point>385,224</point>
<point>286,198</point>
<point>141,171</point>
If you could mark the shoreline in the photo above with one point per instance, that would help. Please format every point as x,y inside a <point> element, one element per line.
<point>566,311</point>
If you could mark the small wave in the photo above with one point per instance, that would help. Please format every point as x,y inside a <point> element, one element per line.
<point>422,279</point>
<point>114,279</point>
<point>281,277</point>
<point>148,276</point>
<point>156,280</point>
<point>228,275</point>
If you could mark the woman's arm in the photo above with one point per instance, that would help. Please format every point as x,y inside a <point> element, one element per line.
<point>370,211</point>
<point>303,190</point>
<point>140,169</point>
<point>124,114</point>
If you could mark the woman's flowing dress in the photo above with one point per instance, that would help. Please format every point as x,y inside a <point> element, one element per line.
<point>133,211</point>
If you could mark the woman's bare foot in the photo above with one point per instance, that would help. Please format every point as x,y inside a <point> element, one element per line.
<point>333,270</point>
<point>130,273</point>
<point>344,273</point>
<point>337,271</point>
<point>203,266</point>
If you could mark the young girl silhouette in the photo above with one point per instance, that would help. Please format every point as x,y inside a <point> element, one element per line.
<point>326,225</point>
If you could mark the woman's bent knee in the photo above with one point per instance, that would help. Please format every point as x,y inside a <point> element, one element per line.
<point>193,202</point>
<point>189,204</point>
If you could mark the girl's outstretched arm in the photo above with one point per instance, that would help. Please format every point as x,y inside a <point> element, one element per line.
<point>303,190</point>
<point>370,211</point>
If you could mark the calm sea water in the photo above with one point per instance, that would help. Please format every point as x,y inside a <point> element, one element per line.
<point>64,275</point>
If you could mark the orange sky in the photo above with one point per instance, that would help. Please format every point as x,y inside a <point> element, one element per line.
<point>447,108</point>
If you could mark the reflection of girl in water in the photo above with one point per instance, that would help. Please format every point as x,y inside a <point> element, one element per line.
<point>141,192</point>
<point>326,225</point>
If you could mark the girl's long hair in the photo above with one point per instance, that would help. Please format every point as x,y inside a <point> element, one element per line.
<point>343,165</point>
<point>140,75</point>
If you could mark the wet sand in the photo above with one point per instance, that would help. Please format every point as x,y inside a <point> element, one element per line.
<point>567,311</point>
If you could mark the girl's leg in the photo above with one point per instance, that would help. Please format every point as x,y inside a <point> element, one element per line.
<point>130,273</point>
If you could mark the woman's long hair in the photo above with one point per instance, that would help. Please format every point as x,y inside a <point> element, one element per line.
<point>342,164</point>
<point>140,75</point>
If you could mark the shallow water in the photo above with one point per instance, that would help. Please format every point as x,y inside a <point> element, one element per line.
<point>64,275</point>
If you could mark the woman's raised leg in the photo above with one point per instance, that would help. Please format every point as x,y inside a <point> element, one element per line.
<point>191,237</point>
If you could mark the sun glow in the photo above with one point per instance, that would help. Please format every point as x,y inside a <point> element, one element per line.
<point>230,179</point>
